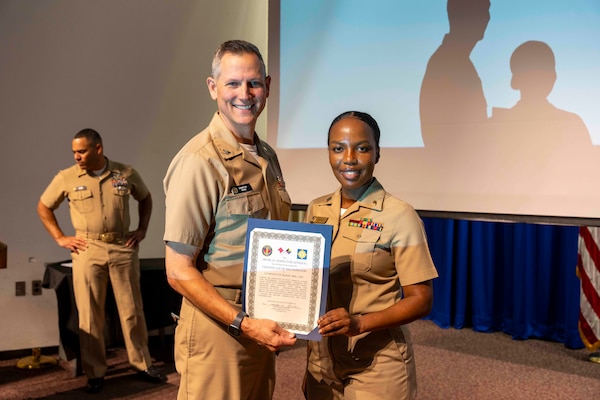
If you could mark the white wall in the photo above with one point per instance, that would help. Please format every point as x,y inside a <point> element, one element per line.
<point>133,70</point>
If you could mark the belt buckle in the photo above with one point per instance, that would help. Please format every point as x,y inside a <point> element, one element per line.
<point>108,237</point>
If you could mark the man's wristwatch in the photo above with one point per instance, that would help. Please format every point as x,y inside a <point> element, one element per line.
<point>235,329</point>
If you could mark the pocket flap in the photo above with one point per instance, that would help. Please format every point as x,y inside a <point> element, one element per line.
<point>80,194</point>
<point>245,204</point>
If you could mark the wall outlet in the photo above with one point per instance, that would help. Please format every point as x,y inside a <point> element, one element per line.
<point>20,288</point>
<point>36,288</point>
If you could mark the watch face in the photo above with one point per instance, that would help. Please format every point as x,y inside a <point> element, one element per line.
<point>234,331</point>
<point>234,328</point>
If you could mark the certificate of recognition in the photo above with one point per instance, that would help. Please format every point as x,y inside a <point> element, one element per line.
<point>286,273</point>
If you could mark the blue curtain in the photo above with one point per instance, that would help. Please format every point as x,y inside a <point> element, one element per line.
<point>516,278</point>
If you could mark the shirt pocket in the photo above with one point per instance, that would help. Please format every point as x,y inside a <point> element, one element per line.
<point>121,196</point>
<point>364,249</point>
<point>82,201</point>
<point>284,196</point>
<point>285,204</point>
<point>244,204</point>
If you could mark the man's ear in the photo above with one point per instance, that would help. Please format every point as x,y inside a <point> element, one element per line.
<point>212,87</point>
<point>268,84</point>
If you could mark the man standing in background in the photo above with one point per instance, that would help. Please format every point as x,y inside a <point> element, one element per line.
<point>102,249</point>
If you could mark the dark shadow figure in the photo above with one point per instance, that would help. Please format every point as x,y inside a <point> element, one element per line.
<point>452,97</point>
<point>534,139</point>
<point>532,65</point>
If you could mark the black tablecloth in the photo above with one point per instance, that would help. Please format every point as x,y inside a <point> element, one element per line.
<point>158,297</point>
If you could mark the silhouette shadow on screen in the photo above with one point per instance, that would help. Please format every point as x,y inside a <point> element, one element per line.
<point>451,92</point>
<point>534,139</point>
<point>532,148</point>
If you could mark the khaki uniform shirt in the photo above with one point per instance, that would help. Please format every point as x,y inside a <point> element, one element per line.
<point>212,187</point>
<point>382,240</point>
<point>98,204</point>
<point>379,245</point>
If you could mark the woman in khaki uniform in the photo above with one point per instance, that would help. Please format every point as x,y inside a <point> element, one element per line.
<point>380,276</point>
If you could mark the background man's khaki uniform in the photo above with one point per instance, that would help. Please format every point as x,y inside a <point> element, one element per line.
<point>99,208</point>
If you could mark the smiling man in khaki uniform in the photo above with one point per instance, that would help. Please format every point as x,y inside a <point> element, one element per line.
<point>220,178</point>
<point>102,249</point>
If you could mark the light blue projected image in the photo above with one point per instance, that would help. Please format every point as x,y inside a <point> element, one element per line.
<point>372,56</point>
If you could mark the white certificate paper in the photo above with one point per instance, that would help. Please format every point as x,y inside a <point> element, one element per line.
<point>286,274</point>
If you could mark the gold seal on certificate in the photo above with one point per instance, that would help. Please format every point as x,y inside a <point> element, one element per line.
<point>286,273</point>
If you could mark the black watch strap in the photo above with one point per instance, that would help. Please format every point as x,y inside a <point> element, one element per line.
<point>235,328</point>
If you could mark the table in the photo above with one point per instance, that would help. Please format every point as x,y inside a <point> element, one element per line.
<point>159,299</point>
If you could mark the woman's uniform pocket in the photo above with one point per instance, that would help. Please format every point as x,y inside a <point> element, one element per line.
<point>364,249</point>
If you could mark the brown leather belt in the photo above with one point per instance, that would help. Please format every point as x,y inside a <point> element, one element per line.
<point>106,237</point>
<point>234,295</point>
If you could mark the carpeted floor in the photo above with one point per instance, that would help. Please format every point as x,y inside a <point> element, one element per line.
<point>451,364</point>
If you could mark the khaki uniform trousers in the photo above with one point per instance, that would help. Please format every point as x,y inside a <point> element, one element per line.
<point>216,366</point>
<point>377,369</point>
<point>92,270</point>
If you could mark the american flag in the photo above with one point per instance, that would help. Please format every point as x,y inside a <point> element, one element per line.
<point>588,270</point>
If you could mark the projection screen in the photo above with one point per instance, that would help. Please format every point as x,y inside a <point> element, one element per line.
<point>483,108</point>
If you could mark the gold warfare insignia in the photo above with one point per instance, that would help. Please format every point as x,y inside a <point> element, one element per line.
<point>318,220</point>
